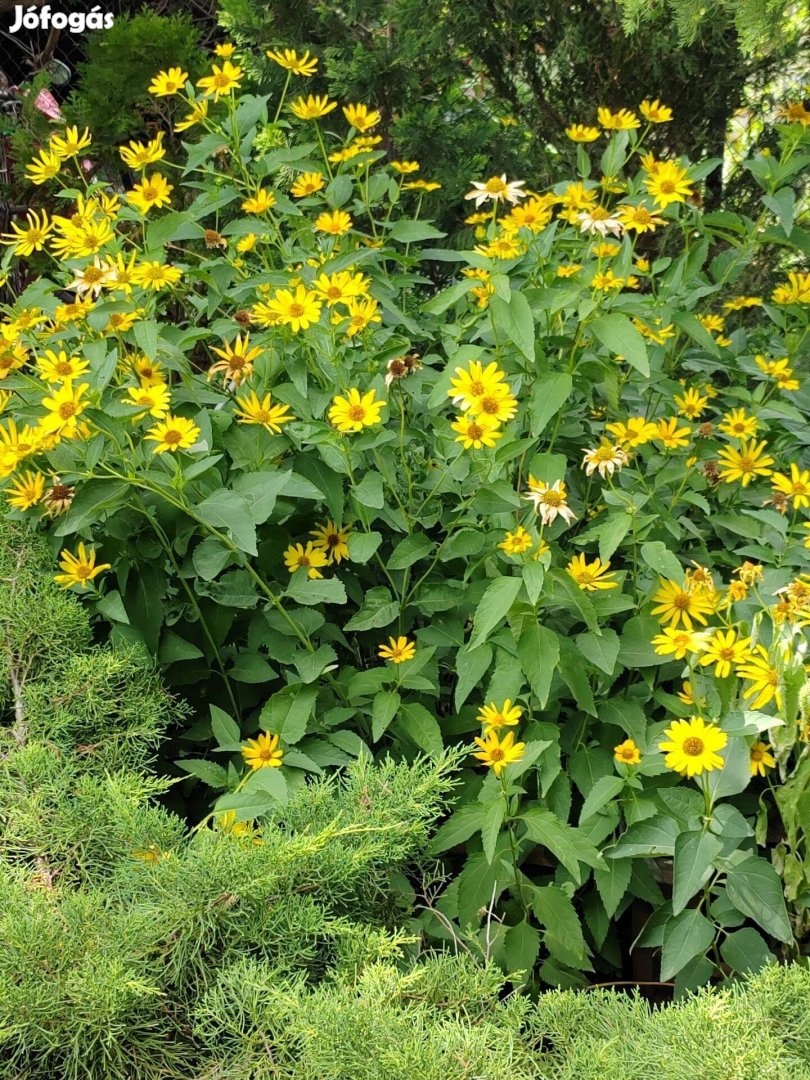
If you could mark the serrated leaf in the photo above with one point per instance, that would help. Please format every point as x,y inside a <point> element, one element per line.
<point>286,713</point>
<point>611,883</point>
<point>685,936</point>
<point>208,771</point>
<point>560,922</point>
<point>695,853</point>
<point>383,710</point>
<point>464,823</point>
<point>601,649</point>
<point>224,729</point>
<point>568,844</point>
<point>603,791</point>
<point>755,889</point>
<point>491,827</point>
<point>493,607</point>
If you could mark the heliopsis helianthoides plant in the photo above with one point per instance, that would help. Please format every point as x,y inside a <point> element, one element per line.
<point>549,512</point>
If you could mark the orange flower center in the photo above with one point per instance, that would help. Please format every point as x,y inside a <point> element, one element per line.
<point>356,413</point>
<point>172,437</point>
<point>475,432</point>
<point>296,310</point>
<point>92,274</point>
<point>682,601</point>
<point>490,405</point>
<point>67,409</point>
<point>693,746</point>
<point>496,754</point>
<point>476,389</point>
<point>553,498</point>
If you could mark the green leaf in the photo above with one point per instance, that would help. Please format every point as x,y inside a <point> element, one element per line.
<point>533,575</point>
<point>783,204</point>
<point>229,511</point>
<point>563,931</point>
<point>224,729</point>
<point>208,771</point>
<point>311,665</point>
<point>746,951</point>
<point>383,710</point>
<point>311,591</point>
<point>421,727</point>
<point>656,555</point>
<point>603,791</point>
<point>755,889</point>
<point>471,666</point>
<point>210,558</point>
<point>369,492</point>
<point>270,781</point>
<point>173,649</point>
<point>409,232</point>
<point>514,318</point>
<point>686,935</point>
<point>464,823</point>
<point>538,650</point>
<point>601,649</point>
<point>111,606</point>
<point>575,676</point>
<point>260,491</point>
<point>695,853</point>
<point>611,534</point>
<point>378,610</point>
<point>568,844</point>
<point>611,883</point>
<point>655,836</point>
<point>256,803</point>
<point>521,948</point>
<point>362,546</point>
<point>636,649</point>
<point>409,551</point>
<point>549,393</point>
<point>286,713</point>
<point>90,500</point>
<point>491,827</point>
<point>493,607</point>
<point>618,334</point>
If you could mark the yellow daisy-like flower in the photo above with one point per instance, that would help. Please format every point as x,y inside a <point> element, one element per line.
<point>309,558</point>
<point>137,155</point>
<point>149,400</point>
<point>605,459</point>
<point>44,167</point>
<point>654,112</point>
<point>671,435</point>
<point>581,133</point>
<point>307,183</point>
<point>623,120</point>
<point>25,240</point>
<point>26,491</point>
<point>739,303</point>
<point>493,717</point>
<point>636,431</point>
<point>668,183</point>
<point>225,50</point>
<point>744,464</point>
<point>361,117</point>
<point>469,387</point>
<point>312,107</point>
<point>58,367</point>
<point>355,411</point>
<point>361,314</point>
<point>154,190</point>
<point>334,222</point>
<point>796,290</point>
<point>678,604</point>
<point>262,412</point>
<point>298,309</point>
<point>519,541</point>
<point>499,405</point>
<point>405,167</point>
<point>421,185</point>
<point>332,540</point>
<point>398,650</point>
<point>591,577</point>
<point>260,203</point>
<point>173,434</point>
<point>496,189</point>
<point>763,678</point>
<point>568,270</point>
<point>71,142</point>
<point>691,404</point>
<point>167,83</point>
<point>627,753</point>
<point>263,752</point>
<point>724,649</point>
<point>80,568</point>
<point>237,359</point>
<point>155,275</point>
<point>533,215</point>
<point>549,500</point>
<point>678,642</point>
<point>760,759</point>
<point>639,219</point>
<point>289,59</point>
<point>64,407</point>
<point>795,487</point>
<point>198,113</point>
<point>340,287</point>
<point>221,80</point>
<point>691,746</point>
<point>686,694</point>
<point>738,424</point>
<point>498,754</point>
<point>476,432</point>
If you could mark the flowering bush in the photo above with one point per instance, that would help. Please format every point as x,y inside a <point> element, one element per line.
<point>553,513</point>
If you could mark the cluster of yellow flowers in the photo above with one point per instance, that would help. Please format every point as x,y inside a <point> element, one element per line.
<point>494,751</point>
<point>486,402</point>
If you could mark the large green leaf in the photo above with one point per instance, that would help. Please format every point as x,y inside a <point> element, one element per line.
<point>538,650</point>
<point>755,889</point>
<point>686,935</point>
<point>286,713</point>
<point>617,333</point>
<point>563,931</point>
<point>569,845</point>
<point>695,853</point>
<point>493,607</point>
<point>514,318</point>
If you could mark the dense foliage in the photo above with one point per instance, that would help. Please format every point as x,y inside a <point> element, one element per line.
<point>552,514</point>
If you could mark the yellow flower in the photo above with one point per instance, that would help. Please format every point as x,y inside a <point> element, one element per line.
<point>334,222</point>
<point>150,400</point>
<point>167,83</point>
<point>313,107</point>
<point>173,434</point>
<point>627,752</point>
<point>498,754</point>
<point>636,431</point>
<point>360,117</point>
<point>692,745</point>
<point>64,408</point>
<point>259,203</point>
<point>760,758</point>
<point>309,558</point>
<point>569,270</point>
<point>494,717</point>
<point>659,334</point>
<point>361,314</point>
<point>686,695</point>
<point>691,404</point>
<point>59,367</point>
<point>476,432</point>
<point>263,752</point>
<point>519,542</point>
<point>221,80</point>
<point>678,604</point>
<point>744,464</point>
<point>795,487</point>
<point>148,371</point>
<point>24,241</point>
<point>724,649</point>
<point>591,577</point>
<point>340,287</point>
<point>496,189</point>
<point>642,265</point>
<point>225,50</point>
<point>237,359</point>
<point>332,540</point>
<point>533,215</point>
<point>398,650</point>
<point>654,112</point>
<point>154,275</point>
<point>639,218</point>
<point>469,387</point>
<point>307,184</point>
<point>678,643</point>
<point>550,500</point>
<point>71,143</point>
<point>289,59</point>
<point>605,458</point>
<point>356,411</point>
<point>78,569</point>
<point>741,302</point>
<point>421,185</point>
<point>247,243</point>
<point>504,246</point>
<point>739,425</point>
<point>668,183</point>
<point>404,167</point>
<point>136,155</point>
<point>298,310</point>
<point>671,435</point>
<point>758,670</point>
<point>198,113</point>
<point>796,290</point>
<point>152,191</point>
<point>26,491</point>
<point>44,167</point>
<point>252,410</point>
<point>581,133</point>
<point>623,120</point>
